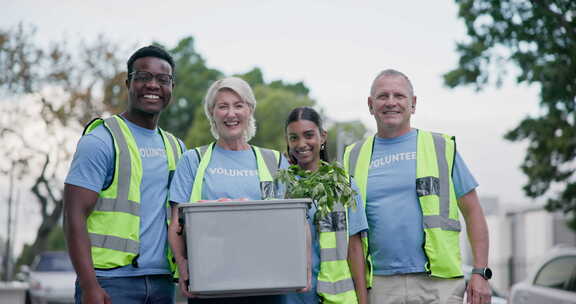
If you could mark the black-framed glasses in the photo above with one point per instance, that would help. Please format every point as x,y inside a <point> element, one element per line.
<point>143,76</point>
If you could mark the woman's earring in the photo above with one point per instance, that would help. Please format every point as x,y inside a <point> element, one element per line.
<point>323,146</point>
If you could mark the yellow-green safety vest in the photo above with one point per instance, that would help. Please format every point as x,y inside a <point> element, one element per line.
<point>435,154</point>
<point>267,162</point>
<point>114,224</point>
<point>335,284</point>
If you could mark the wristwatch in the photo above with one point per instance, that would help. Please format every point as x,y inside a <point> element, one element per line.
<point>485,272</point>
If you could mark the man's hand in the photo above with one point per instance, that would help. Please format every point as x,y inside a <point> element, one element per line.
<point>95,295</point>
<point>478,290</point>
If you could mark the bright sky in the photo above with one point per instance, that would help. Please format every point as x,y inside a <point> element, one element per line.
<point>335,47</point>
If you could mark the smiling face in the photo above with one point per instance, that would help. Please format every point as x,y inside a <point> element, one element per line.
<point>149,97</point>
<point>304,142</point>
<point>231,115</point>
<point>392,104</point>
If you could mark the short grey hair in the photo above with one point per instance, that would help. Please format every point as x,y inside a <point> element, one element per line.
<point>238,86</point>
<point>392,72</point>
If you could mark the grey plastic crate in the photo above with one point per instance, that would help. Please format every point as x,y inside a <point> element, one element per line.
<point>246,247</point>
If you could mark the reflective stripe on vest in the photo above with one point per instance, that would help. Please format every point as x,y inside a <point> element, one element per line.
<point>267,162</point>
<point>114,242</point>
<point>175,149</point>
<point>350,159</point>
<point>435,190</point>
<point>114,224</point>
<point>269,158</point>
<point>335,284</point>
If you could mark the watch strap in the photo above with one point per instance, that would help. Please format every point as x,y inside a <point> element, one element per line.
<point>485,272</point>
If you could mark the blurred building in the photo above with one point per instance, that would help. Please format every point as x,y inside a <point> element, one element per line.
<point>520,235</point>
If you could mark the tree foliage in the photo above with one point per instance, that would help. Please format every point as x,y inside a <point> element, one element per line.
<point>192,80</point>
<point>274,104</point>
<point>326,186</point>
<point>538,37</point>
<point>48,94</point>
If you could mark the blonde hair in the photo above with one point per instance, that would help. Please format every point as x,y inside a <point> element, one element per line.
<point>238,86</point>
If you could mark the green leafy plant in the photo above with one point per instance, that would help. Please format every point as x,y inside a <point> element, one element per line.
<point>325,186</point>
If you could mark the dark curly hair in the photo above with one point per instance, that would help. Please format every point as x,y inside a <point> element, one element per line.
<point>150,51</point>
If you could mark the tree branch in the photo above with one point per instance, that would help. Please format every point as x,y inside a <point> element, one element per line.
<point>36,188</point>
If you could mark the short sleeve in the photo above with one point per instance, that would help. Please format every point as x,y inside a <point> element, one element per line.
<point>463,179</point>
<point>93,163</point>
<point>357,221</point>
<point>183,180</point>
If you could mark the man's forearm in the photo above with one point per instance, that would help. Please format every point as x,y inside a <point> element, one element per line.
<point>80,253</point>
<point>476,228</point>
<point>76,211</point>
<point>479,241</point>
<point>478,289</point>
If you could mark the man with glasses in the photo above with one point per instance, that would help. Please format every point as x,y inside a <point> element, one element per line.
<point>116,193</point>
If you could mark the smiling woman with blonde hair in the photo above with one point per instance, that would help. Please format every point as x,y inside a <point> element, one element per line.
<point>243,91</point>
<point>229,106</point>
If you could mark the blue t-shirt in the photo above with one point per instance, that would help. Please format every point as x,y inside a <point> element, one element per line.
<point>93,168</point>
<point>357,223</point>
<point>394,215</point>
<point>237,170</point>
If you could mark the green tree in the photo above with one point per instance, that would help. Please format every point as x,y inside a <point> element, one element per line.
<point>539,37</point>
<point>274,105</point>
<point>193,78</point>
<point>48,94</point>
<point>254,77</point>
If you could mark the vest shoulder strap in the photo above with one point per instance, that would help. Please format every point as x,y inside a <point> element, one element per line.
<point>204,156</point>
<point>124,156</point>
<point>353,154</point>
<point>172,147</point>
<point>92,125</point>
<point>200,151</point>
<point>271,159</point>
<point>174,141</point>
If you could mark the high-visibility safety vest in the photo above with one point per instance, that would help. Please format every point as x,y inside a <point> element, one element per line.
<point>114,224</point>
<point>335,284</point>
<point>267,162</point>
<point>435,155</point>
